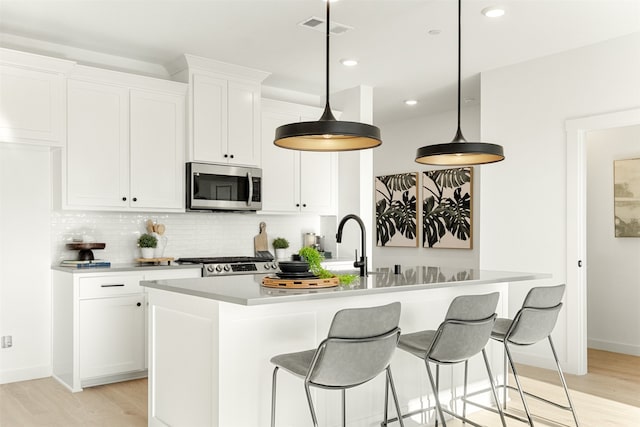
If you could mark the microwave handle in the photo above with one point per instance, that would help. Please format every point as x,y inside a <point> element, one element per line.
<point>250,197</point>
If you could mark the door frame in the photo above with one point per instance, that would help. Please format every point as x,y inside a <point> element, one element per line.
<point>576,260</point>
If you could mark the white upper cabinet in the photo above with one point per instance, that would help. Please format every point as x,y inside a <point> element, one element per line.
<point>209,103</point>
<point>125,145</point>
<point>224,113</point>
<point>295,181</point>
<point>97,161</point>
<point>32,98</point>
<point>157,135</point>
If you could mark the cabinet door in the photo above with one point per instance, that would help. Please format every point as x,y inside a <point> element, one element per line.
<point>243,118</point>
<point>31,106</point>
<point>318,184</point>
<point>112,335</point>
<point>280,167</point>
<point>209,119</point>
<point>157,150</point>
<point>97,172</point>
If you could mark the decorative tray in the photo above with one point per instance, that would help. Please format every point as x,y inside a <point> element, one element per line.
<point>312,283</point>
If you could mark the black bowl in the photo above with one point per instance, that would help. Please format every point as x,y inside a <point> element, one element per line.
<point>293,266</point>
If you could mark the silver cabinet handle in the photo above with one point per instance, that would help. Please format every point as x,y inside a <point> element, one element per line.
<point>111,285</point>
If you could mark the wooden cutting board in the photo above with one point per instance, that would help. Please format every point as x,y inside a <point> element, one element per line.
<point>276,282</point>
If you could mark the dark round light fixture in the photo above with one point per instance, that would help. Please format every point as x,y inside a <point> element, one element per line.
<point>327,134</point>
<point>459,152</point>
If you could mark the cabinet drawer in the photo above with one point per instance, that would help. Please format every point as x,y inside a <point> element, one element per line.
<point>112,285</point>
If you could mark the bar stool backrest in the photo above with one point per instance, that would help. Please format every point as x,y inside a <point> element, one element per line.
<point>359,346</point>
<point>538,315</point>
<point>466,328</point>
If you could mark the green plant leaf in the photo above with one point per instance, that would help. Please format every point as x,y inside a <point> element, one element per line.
<point>433,224</point>
<point>450,178</point>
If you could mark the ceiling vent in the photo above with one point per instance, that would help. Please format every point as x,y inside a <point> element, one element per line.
<point>318,24</point>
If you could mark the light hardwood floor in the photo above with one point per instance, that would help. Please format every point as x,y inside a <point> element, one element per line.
<point>609,395</point>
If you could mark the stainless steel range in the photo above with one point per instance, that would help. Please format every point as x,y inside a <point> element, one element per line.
<point>225,266</point>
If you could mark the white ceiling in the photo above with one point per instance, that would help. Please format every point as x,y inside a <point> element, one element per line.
<point>390,38</point>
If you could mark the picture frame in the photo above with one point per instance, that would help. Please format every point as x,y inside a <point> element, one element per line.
<point>447,208</point>
<point>397,210</point>
<point>626,195</point>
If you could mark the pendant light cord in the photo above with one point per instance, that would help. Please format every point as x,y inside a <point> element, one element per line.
<point>459,137</point>
<point>327,114</point>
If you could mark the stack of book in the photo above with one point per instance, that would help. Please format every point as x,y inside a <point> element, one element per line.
<point>74,263</point>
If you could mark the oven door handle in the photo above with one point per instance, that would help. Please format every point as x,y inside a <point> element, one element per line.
<point>250,197</point>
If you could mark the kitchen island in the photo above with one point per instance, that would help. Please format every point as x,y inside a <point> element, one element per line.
<point>211,339</point>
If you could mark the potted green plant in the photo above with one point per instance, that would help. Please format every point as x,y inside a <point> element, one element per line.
<point>147,243</point>
<point>280,244</point>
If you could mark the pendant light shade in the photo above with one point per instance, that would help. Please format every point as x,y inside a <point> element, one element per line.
<point>459,152</point>
<point>327,134</point>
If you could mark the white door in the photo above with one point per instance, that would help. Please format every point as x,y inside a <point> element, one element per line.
<point>112,335</point>
<point>157,150</point>
<point>97,145</point>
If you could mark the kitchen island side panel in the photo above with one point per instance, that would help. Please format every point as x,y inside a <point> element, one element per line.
<point>225,351</point>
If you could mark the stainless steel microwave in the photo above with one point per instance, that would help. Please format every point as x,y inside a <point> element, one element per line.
<point>223,187</point>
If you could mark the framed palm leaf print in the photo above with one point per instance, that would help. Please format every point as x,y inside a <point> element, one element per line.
<point>446,208</point>
<point>396,210</point>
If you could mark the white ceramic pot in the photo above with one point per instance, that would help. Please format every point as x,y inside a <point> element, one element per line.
<point>281,253</point>
<point>147,252</point>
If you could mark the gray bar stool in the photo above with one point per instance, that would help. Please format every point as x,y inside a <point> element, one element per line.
<point>532,323</point>
<point>464,333</point>
<point>359,346</point>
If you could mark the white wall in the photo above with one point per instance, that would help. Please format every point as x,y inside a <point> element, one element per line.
<point>25,297</point>
<point>523,206</point>
<point>613,267</point>
<point>397,155</point>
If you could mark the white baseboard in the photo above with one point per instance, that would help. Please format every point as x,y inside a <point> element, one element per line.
<point>25,374</point>
<point>615,347</point>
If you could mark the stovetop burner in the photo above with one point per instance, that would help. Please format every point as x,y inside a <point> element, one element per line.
<point>228,265</point>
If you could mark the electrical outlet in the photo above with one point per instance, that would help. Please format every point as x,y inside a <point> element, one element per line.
<point>7,341</point>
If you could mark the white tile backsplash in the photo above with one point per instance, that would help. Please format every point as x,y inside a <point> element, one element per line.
<point>189,234</point>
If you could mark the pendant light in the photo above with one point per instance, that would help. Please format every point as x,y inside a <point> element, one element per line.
<point>327,134</point>
<point>459,152</point>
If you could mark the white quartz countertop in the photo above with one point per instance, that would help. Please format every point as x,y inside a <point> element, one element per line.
<point>125,267</point>
<point>248,289</point>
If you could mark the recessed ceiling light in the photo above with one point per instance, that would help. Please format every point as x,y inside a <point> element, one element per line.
<point>411,101</point>
<point>434,32</point>
<point>349,62</point>
<point>493,12</point>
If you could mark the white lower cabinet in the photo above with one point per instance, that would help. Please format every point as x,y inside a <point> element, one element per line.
<point>105,321</point>
<point>99,324</point>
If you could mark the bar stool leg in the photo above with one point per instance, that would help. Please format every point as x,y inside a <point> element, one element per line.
<point>505,380</point>
<point>313,412</point>
<point>515,376</point>
<point>434,387</point>
<point>464,392</point>
<point>273,397</point>
<point>493,389</point>
<point>395,397</point>
<point>386,400</point>
<point>344,408</point>
<point>564,383</point>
